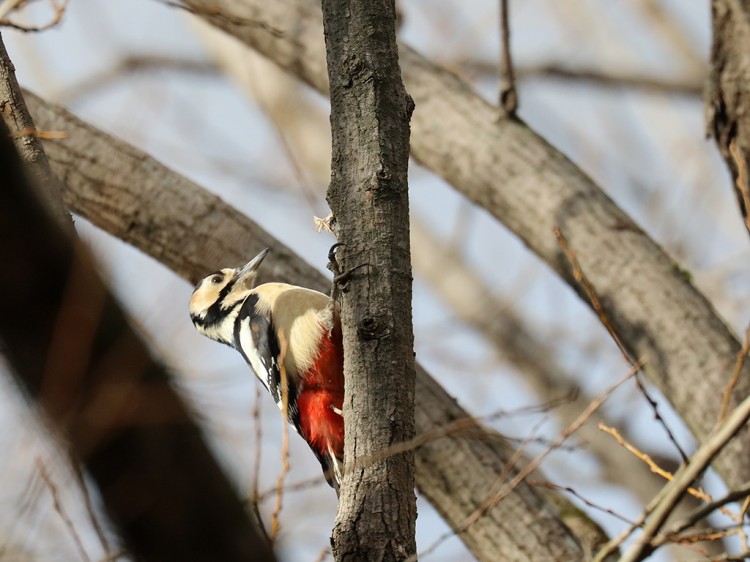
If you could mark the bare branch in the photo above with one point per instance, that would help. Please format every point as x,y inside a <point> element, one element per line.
<point>662,506</point>
<point>471,300</point>
<point>701,513</point>
<point>17,119</point>
<point>57,14</point>
<point>508,93</point>
<point>132,64</point>
<point>61,510</point>
<point>369,197</point>
<point>728,93</point>
<point>503,487</point>
<point>610,78</point>
<point>593,297</point>
<point>732,384</point>
<point>616,79</point>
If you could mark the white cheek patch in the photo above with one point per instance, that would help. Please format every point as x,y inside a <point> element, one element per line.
<point>224,331</point>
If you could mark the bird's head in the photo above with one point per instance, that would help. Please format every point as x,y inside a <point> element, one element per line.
<point>217,295</point>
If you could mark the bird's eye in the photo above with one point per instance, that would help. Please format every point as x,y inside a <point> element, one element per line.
<point>216,279</point>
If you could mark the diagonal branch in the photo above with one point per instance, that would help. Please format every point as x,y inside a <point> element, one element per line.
<point>664,503</point>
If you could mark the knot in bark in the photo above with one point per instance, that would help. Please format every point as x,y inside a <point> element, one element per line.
<point>370,329</point>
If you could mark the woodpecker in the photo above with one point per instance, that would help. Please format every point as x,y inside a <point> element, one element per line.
<point>286,331</point>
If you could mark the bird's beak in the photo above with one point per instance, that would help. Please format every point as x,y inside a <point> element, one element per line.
<point>252,266</point>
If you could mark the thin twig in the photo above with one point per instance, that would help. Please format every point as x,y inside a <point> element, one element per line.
<point>697,493</point>
<point>591,293</point>
<point>275,525</point>
<point>95,523</point>
<point>26,505</point>
<point>687,85</point>
<point>655,468</point>
<point>255,493</point>
<point>135,63</point>
<point>704,535</point>
<point>588,288</point>
<point>572,492</point>
<point>665,501</point>
<point>61,510</point>
<point>742,514</point>
<point>223,16</point>
<point>323,554</point>
<point>508,95</point>
<point>294,487</point>
<point>704,511</point>
<point>39,134</point>
<point>495,498</point>
<point>467,427</point>
<point>56,18</point>
<point>739,362</point>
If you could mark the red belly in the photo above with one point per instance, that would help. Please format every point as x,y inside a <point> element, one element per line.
<point>322,390</point>
<point>321,427</point>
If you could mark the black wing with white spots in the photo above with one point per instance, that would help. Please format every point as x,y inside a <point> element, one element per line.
<point>255,338</point>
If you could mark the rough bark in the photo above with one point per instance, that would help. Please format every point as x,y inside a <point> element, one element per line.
<point>727,95</point>
<point>17,119</point>
<point>369,197</point>
<point>508,169</point>
<point>71,348</point>
<point>133,197</point>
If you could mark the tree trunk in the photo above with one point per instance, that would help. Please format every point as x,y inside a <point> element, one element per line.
<point>368,195</point>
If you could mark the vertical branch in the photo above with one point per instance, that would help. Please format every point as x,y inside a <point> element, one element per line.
<point>95,523</point>
<point>508,96</point>
<point>727,94</point>
<point>739,362</point>
<point>17,118</point>
<point>275,524</point>
<point>370,112</point>
<point>255,496</point>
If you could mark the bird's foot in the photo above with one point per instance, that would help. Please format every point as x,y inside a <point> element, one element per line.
<point>340,278</point>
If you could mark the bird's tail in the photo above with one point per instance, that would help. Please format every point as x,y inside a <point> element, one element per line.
<point>335,472</point>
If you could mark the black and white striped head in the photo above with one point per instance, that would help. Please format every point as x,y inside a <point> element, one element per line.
<point>216,299</point>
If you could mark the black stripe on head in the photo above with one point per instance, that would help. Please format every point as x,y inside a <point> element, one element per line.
<point>216,312</point>
<point>268,349</point>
